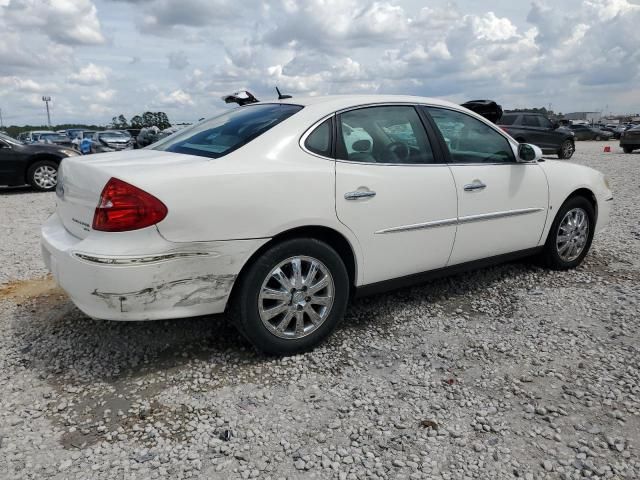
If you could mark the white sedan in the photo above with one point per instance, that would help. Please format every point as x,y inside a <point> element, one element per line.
<point>281,211</point>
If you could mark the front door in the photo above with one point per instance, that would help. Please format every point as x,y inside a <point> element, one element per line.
<point>394,191</point>
<point>502,204</point>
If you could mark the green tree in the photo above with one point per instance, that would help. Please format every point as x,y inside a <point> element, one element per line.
<point>137,122</point>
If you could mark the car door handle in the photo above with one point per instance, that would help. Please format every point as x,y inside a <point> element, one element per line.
<point>359,194</point>
<point>472,187</point>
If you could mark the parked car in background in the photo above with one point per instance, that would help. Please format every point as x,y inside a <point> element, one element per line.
<point>147,136</point>
<point>264,209</point>
<point>32,136</point>
<point>111,141</point>
<point>35,164</point>
<point>56,138</point>
<point>585,132</point>
<point>134,132</point>
<point>537,129</point>
<point>630,139</point>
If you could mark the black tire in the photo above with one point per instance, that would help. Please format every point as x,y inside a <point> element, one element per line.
<point>567,148</point>
<point>37,181</point>
<point>245,302</point>
<point>550,256</point>
<point>627,149</point>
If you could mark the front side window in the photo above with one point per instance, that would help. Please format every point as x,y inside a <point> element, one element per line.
<point>469,140</point>
<point>392,134</point>
<point>545,123</point>
<point>225,133</point>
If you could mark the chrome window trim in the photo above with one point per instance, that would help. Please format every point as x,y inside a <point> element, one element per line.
<point>460,220</point>
<point>308,131</point>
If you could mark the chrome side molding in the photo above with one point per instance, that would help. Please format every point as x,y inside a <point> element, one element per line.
<point>458,221</point>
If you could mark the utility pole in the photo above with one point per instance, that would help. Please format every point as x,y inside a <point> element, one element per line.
<point>1,124</point>
<point>46,100</point>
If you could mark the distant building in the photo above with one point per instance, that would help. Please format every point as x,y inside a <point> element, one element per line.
<point>590,117</point>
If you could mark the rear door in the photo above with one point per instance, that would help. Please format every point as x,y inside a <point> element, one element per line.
<point>502,204</point>
<point>394,191</point>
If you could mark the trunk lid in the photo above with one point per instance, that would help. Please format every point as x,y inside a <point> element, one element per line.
<point>82,178</point>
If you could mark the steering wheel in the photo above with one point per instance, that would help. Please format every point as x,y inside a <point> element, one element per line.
<point>398,151</point>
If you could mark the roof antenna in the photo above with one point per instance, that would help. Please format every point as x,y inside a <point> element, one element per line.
<point>281,96</point>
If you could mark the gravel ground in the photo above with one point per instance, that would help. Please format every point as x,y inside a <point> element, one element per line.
<point>509,372</point>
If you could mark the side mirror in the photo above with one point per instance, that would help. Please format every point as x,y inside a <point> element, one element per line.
<point>529,153</point>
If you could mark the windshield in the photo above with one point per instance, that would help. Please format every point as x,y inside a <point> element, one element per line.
<point>114,136</point>
<point>53,137</point>
<point>221,135</point>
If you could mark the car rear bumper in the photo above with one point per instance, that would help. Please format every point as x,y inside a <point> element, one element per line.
<point>178,280</point>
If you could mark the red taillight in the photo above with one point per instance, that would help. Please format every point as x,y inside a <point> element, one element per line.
<point>123,207</point>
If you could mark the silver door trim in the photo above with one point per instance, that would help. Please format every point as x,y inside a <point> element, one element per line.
<point>495,215</point>
<point>420,226</point>
<point>459,221</point>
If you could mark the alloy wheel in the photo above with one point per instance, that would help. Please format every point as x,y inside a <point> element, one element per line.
<point>572,235</point>
<point>45,177</point>
<point>567,149</point>
<point>296,297</point>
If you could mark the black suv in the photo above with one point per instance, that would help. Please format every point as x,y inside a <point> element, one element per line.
<point>537,129</point>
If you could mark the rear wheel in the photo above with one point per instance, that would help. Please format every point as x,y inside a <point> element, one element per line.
<point>566,150</point>
<point>571,234</point>
<point>292,297</point>
<point>627,149</point>
<point>43,175</point>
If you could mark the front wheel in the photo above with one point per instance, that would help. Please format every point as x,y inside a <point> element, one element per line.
<point>570,235</point>
<point>566,150</point>
<point>627,149</point>
<point>43,175</point>
<point>292,297</point>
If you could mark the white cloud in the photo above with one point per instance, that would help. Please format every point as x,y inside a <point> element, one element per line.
<point>526,54</point>
<point>177,98</point>
<point>72,22</point>
<point>90,75</point>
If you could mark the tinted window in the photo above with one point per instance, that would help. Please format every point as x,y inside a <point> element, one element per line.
<point>544,122</point>
<point>391,134</point>
<point>530,121</point>
<point>319,141</point>
<point>469,140</point>
<point>507,119</point>
<point>221,135</point>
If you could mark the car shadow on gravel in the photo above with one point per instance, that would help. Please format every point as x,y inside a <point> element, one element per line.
<point>17,190</point>
<point>54,337</point>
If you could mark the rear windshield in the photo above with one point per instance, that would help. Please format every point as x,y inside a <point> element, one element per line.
<point>221,135</point>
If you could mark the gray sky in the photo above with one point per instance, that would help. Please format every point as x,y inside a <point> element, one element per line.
<point>100,58</point>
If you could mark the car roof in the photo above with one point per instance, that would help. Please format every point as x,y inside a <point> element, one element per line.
<point>338,102</point>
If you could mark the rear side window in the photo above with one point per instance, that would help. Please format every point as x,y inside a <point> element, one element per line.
<point>507,119</point>
<point>319,141</point>
<point>225,133</point>
<point>530,121</point>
